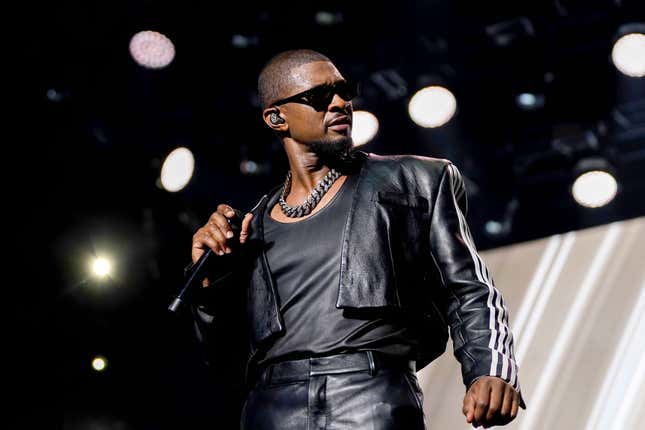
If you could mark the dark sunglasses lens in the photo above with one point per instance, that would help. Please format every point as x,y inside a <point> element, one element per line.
<point>322,96</point>
<point>347,90</point>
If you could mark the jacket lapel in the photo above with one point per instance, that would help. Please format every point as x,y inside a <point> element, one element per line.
<point>357,288</point>
<point>262,300</point>
<point>364,276</point>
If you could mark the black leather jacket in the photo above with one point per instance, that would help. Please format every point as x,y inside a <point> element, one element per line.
<point>406,244</point>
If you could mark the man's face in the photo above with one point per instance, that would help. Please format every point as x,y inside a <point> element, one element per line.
<point>326,130</point>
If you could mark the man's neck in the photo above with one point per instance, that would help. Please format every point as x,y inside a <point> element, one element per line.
<point>306,168</point>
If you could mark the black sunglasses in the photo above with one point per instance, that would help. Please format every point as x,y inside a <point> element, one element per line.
<point>319,97</point>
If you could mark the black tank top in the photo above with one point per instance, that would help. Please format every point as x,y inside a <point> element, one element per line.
<point>304,259</point>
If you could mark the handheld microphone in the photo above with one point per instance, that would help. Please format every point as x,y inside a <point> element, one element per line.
<point>198,270</point>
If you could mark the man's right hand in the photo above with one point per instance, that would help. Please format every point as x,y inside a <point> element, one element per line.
<point>215,233</point>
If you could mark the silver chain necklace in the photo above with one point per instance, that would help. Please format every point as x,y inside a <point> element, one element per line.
<point>310,203</point>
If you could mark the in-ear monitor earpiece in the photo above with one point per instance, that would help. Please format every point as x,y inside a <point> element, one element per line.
<point>275,119</point>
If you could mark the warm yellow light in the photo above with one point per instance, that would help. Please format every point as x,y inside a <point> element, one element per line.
<point>99,363</point>
<point>101,267</point>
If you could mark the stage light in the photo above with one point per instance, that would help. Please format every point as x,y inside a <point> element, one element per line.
<point>432,106</point>
<point>628,53</point>
<point>526,99</point>
<point>177,169</point>
<point>493,227</point>
<point>99,363</point>
<point>326,18</point>
<point>364,127</point>
<point>151,49</point>
<point>529,101</point>
<point>250,167</point>
<point>594,189</point>
<point>241,41</point>
<point>595,184</point>
<point>53,95</point>
<point>101,267</point>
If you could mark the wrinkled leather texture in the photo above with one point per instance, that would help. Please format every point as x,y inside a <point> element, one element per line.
<point>387,400</point>
<point>403,246</point>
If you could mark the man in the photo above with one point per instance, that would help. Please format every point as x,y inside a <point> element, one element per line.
<point>351,273</point>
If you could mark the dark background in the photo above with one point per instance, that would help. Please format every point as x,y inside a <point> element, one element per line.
<point>93,127</point>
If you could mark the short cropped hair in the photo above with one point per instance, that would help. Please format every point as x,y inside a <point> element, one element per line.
<point>275,77</point>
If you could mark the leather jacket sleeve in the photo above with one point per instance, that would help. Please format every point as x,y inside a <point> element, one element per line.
<point>201,318</point>
<point>203,309</point>
<point>475,311</point>
<point>219,304</point>
<point>219,324</point>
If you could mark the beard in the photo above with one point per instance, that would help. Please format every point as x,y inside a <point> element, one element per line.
<point>338,153</point>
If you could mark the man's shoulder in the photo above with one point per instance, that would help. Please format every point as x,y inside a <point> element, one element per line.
<point>417,163</point>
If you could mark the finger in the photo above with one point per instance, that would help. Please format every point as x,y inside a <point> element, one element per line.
<point>196,253</point>
<point>516,403</point>
<point>201,241</point>
<point>197,247</point>
<point>505,410</point>
<point>217,234</point>
<point>469,406</point>
<point>482,401</point>
<point>496,397</point>
<point>220,222</point>
<point>212,242</point>
<point>225,210</point>
<point>246,224</point>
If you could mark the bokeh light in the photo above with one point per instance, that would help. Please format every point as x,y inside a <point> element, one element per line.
<point>432,106</point>
<point>177,169</point>
<point>364,127</point>
<point>101,267</point>
<point>152,49</point>
<point>594,189</point>
<point>99,363</point>
<point>628,54</point>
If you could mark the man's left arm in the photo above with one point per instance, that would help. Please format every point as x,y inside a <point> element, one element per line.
<point>475,311</point>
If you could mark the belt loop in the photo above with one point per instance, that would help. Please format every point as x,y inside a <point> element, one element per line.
<point>370,358</point>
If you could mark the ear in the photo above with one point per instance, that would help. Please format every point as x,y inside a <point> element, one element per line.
<point>275,126</point>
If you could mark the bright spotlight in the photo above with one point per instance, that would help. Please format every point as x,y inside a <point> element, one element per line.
<point>99,363</point>
<point>432,106</point>
<point>101,267</point>
<point>364,127</point>
<point>151,49</point>
<point>628,54</point>
<point>595,188</point>
<point>177,169</point>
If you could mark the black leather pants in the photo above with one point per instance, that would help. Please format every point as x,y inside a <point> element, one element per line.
<point>363,390</point>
